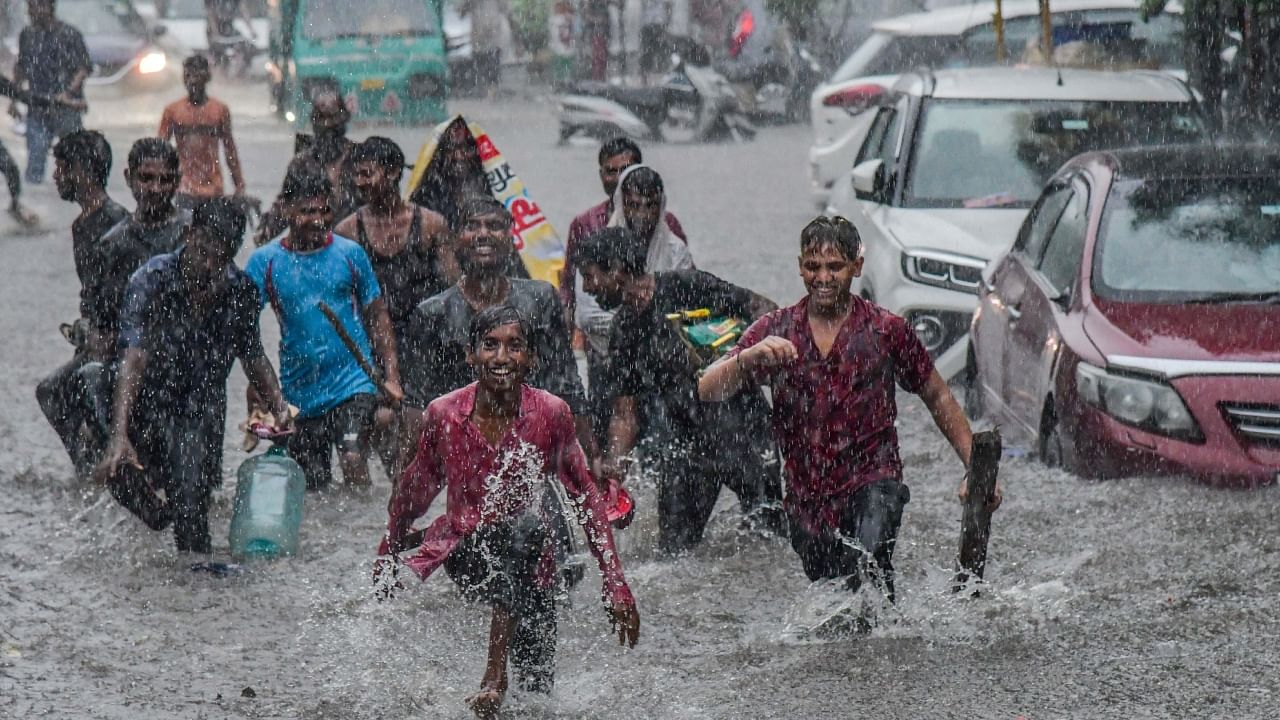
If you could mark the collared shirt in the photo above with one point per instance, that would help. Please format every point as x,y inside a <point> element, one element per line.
<point>591,221</point>
<point>833,416</point>
<point>490,484</point>
<point>649,360</point>
<point>317,371</point>
<point>434,359</point>
<point>189,351</point>
<point>51,58</point>
<point>86,235</point>
<point>119,253</point>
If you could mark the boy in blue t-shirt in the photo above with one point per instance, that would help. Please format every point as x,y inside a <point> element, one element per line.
<point>336,398</point>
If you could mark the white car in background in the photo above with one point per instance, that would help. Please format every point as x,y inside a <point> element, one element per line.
<point>954,159</point>
<point>965,36</point>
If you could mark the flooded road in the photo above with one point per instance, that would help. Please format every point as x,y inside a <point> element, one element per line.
<point>1144,598</point>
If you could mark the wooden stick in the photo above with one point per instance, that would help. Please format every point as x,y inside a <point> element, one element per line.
<point>975,522</point>
<point>350,344</point>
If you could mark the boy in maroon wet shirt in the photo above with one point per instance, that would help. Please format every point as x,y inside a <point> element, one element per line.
<point>496,444</point>
<point>832,361</point>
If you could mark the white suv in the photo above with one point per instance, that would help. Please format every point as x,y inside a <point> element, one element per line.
<point>954,159</point>
<point>964,36</point>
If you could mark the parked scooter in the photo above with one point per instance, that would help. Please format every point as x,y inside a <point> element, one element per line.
<point>693,103</point>
<point>776,87</point>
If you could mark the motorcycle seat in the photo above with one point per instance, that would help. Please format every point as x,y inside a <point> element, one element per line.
<point>627,96</point>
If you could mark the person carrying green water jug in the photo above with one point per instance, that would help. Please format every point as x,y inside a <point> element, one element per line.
<point>187,316</point>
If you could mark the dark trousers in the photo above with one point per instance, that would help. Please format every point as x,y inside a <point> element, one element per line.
<point>862,546</point>
<point>44,127</point>
<point>345,427</point>
<point>12,176</point>
<point>181,454</point>
<point>498,564</point>
<point>61,399</point>
<point>692,467</point>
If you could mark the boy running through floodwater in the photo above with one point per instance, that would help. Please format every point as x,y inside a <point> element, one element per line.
<point>497,444</point>
<point>832,361</point>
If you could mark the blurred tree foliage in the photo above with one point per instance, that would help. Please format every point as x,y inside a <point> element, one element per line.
<point>1232,55</point>
<point>530,23</point>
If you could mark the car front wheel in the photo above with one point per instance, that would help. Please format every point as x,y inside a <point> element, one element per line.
<point>1051,452</point>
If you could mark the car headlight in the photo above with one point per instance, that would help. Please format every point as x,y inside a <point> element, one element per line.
<point>945,270</point>
<point>1147,404</point>
<point>152,63</point>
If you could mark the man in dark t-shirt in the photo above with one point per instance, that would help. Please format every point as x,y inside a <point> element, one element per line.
<point>54,62</point>
<point>701,446</point>
<point>83,164</point>
<point>188,316</point>
<point>154,228</point>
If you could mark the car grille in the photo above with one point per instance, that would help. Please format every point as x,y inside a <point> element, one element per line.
<point>1257,423</point>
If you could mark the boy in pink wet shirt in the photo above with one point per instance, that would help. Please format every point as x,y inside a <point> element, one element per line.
<point>497,444</point>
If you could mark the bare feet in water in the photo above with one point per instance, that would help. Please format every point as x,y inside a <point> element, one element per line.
<point>485,704</point>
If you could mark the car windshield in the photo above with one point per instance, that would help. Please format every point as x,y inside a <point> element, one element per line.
<point>98,17</point>
<point>987,153</point>
<point>1104,37</point>
<point>888,54</point>
<point>331,19</point>
<point>1190,240</point>
<point>195,9</point>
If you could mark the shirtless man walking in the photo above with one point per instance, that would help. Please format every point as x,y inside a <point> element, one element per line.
<point>200,127</point>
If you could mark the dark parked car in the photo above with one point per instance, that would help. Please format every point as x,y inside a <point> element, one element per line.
<point>1134,327</point>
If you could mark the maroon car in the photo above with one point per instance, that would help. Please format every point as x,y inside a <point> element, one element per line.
<point>1134,327</point>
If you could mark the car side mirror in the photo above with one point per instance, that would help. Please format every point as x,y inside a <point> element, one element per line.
<point>869,180</point>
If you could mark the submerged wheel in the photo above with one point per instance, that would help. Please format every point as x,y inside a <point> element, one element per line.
<point>1051,453</point>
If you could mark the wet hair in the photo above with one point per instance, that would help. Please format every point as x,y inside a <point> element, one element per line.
<point>305,178</point>
<point>486,320</point>
<point>618,145</point>
<point>223,219</point>
<point>87,149</point>
<point>477,205</point>
<point>835,231</point>
<point>645,181</point>
<point>153,149</point>
<point>613,248</point>
<point>382,151</point>
<point>196,62</point>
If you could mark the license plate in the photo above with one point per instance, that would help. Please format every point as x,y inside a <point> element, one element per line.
<point>373,84</point>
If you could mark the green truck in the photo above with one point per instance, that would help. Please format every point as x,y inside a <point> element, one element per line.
<point>384,58</point>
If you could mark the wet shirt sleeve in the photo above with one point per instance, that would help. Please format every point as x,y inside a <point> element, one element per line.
<point>418,487</point>
<point>912,365</point>
<point>77,53</point>
<point>425,365</point>
<point>589,505</point>
<point>256,269</point>
<point>623,375</point>
<point>247,339</point>
<point>136,310</point>
<point>555,353</point>
<point>759,330</point>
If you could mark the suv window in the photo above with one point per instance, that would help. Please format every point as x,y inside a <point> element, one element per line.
<point>1108,37</point>
<point>999,153</point>
<point>1064,251</point>
<point>1041,221</point>
<point>882,138</point>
